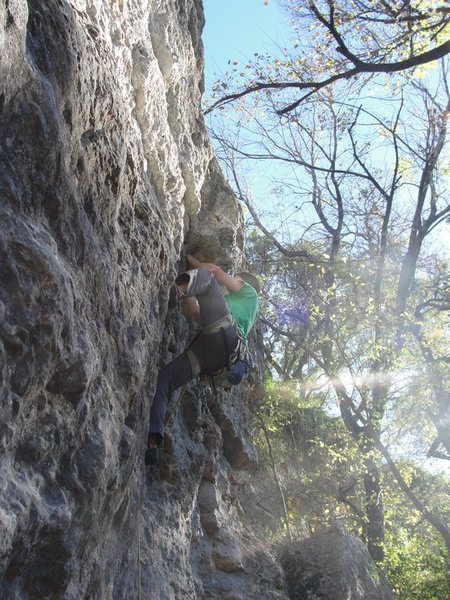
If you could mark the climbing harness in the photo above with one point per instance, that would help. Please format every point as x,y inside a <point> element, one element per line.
<point>218,326</point>
<point>238,361</point>
<point>223,323</point>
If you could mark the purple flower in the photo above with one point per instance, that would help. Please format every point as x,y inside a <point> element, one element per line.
<point>293,313</point>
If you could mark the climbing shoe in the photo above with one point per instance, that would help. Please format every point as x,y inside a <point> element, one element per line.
<point>154,447</point>
<point>152,456</point>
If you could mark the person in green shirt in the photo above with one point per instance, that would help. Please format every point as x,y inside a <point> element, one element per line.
<point>225,320</point>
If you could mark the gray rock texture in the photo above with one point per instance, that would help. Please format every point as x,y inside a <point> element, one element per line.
<point>106,179</point>
<point>333,565</point>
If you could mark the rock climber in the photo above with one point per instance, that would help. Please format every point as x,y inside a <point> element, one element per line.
<point>225,320</point>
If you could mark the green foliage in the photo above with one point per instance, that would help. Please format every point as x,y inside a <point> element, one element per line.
<point>320,468</point>
<point>307,444</point>
<point>416,561</point>
<point>417,567</point>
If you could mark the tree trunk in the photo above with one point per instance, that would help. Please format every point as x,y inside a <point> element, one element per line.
<point>374,510</point>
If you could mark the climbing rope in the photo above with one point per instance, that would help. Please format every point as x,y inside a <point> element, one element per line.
<point>139,590</point>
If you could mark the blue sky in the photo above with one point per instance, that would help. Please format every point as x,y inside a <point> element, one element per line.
<point>236,29</point>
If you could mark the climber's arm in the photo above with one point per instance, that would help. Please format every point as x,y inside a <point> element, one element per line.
<point>233,284</point>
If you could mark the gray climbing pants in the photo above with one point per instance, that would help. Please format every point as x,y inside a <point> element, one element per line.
<point>207,354</point>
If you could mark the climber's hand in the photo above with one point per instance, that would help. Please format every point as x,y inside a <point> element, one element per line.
<point>233,284</point>
<point>192,261</point>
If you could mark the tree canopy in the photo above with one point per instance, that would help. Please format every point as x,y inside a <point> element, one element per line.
<point>338,41</point>
<point>346,193</point>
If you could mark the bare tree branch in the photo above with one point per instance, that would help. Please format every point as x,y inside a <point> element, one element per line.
<point>314,86</point>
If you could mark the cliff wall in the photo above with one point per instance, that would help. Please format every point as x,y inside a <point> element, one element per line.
<point>106,178</point>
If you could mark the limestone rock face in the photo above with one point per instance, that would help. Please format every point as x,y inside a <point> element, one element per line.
<point>106,179</point>
<point>333,565</point>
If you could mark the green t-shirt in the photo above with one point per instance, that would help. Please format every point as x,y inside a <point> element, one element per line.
<point>244,306</point>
